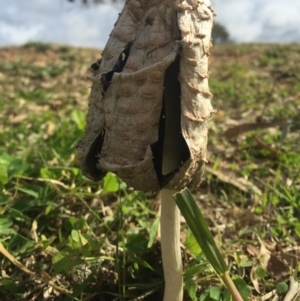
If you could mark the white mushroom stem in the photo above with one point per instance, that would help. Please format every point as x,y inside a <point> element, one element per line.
<point>182,84</point>
<point>170,246</point>
<point>170,214</point>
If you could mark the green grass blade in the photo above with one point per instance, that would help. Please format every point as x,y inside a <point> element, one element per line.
<point>197,224</point>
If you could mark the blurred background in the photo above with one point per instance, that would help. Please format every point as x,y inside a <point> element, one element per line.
<point>88,23</point>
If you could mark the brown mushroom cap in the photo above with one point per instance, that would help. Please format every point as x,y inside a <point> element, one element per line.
<point>149,92</point>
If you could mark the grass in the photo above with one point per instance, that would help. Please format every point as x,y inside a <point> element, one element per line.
<point>98,241</point>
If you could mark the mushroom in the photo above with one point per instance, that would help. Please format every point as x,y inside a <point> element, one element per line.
<point>148,110</point>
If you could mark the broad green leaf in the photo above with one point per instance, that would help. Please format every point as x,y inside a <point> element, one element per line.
<point>226,295</point>
<point>245,264</point>
<point>27,247</point>
<point>110,183</point>
<point>192,244</point>
<point>47,174</point>
<point>153,232</point>
<point>135,265</point>
<point>281,287</point>
<point>46,242</point>
<point>5,222</point>
<point>9,284</point>
<point>11,165</point>
<point>5,159</point>
<point>18,167</point>
<point>70,223</point>
<point>79,118</point>
<point>65,261</point>
<point>79,223</point>
<point>78,237</point>
<point>74,223</point>
<point>3,174</point>
<point>214,293</point>
<point>75,171</point>
<point>6,225</point>
<point>7,231</point>
<point>192,271</point>
<point>204,296</point>
<point>243,288</point>
<point>137,243</point>
<point>297,228</point>
<point>48,209</point>
<point>260,272</point>
<point>191,288</point>
<point>1,187</point>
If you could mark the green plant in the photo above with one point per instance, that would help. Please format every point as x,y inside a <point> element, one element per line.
<point>196,222</point>
<point>47,206</point>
